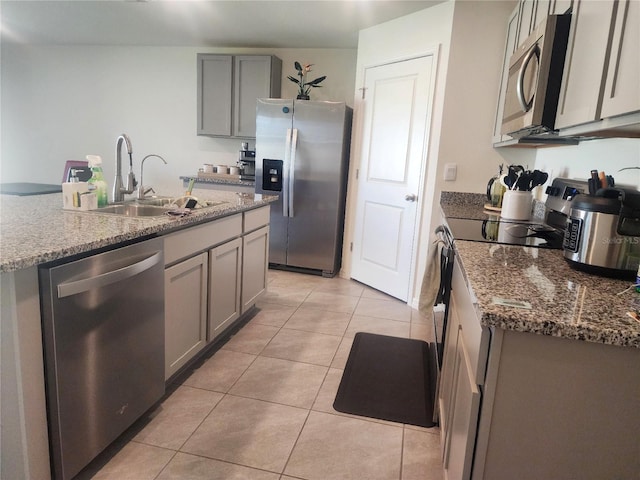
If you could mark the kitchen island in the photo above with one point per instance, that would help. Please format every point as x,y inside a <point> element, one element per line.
<point>35,231</point>
<point>541,370</point>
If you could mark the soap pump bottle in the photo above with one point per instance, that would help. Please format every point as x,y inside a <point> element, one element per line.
<point>97,179</point>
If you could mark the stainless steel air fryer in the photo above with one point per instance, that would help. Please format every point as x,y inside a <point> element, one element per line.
<point>602,235</point>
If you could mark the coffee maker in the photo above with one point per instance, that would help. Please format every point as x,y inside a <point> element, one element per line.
<point>247,162</point>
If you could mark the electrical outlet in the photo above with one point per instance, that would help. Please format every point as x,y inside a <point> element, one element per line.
<point>450,172</point>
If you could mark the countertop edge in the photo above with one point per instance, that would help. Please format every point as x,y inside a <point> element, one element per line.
<point>614,330</point>
<point>141,227</point>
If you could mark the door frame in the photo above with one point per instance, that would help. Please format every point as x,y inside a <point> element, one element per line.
<point>354,166</point>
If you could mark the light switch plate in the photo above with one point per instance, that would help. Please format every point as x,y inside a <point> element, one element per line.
<point>450,172</point>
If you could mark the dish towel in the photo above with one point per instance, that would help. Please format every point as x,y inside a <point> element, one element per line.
<point>431,279</point>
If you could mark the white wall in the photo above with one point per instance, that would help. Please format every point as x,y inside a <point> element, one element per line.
<point>62,103</point>
<point>608,155</point>
<point>473,80</point>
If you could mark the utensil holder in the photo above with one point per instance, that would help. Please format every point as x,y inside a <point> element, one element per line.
<point>516,205</point>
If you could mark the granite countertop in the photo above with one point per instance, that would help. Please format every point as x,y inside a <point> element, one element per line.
<point>564,302</point>
<point>35,229</point>
<point>223,181</point>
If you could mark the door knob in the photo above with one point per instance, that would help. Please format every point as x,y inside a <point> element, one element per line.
<point>412,197</point>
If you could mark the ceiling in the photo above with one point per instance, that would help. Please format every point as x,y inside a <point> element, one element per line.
<point>200,23</point>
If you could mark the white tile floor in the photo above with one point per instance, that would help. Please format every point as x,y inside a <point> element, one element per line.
<point>261,406</point>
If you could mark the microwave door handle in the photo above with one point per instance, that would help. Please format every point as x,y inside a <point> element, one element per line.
<point>292,168</point>
<point>526,106</point>
<point>285,175</point>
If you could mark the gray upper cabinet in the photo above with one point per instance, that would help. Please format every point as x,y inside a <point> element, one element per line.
<point>530,13</point>
<point>599,94</point>
<point>512,30</point>
<point>602,69</point>
<point>622,83</point>
<point>228,87</point>
<point>215,84</point>
<point>559,7</point>
<point>580,92</point>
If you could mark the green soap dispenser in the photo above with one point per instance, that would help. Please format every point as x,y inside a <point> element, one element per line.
<point>97,182</point>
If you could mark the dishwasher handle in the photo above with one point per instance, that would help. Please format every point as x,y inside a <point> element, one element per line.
<point>80,286</point>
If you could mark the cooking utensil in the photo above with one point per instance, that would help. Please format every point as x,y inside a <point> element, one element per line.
<point>538,178</point>
<point>513,173</point>
<point>524,180</point>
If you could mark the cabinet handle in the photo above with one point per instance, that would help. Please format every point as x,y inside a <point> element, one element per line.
<point>526,106</point>
<point>412,197</point>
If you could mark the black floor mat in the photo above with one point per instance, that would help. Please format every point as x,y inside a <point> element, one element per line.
<point>387,378</point>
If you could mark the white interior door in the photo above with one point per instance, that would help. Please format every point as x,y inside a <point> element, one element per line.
<point>393,147</point>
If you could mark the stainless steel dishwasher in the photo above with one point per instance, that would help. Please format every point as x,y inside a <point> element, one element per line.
<point>103,329</point>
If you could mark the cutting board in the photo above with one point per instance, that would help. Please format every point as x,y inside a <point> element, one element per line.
<point>26,188</point>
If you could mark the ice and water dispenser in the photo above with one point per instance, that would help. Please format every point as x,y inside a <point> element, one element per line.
<point>272,175</point>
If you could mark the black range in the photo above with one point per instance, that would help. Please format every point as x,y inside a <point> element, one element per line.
<point>530,234</point>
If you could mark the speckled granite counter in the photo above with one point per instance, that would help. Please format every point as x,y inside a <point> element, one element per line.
<point>35,230</point>
<point>219,181</point>
<point>564,302</point>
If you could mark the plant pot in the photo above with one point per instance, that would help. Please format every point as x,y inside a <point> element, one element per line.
<point>303,97</point>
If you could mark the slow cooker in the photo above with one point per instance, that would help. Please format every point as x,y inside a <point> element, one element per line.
<point>602,234</point>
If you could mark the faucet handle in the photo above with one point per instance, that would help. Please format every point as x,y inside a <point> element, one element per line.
<point>131,182</point>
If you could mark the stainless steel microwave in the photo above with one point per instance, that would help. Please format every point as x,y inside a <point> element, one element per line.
<point>535,75</point>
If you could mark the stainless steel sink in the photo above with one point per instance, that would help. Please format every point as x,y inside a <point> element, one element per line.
<point>156,201</point>
<point>134,210</point>
<point>151,207</point>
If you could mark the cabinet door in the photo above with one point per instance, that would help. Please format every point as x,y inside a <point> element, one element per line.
<point>225,270</point>
<point>560,7</point>
<point>447,377</point>
<point>540,13</point>
<point>510,46</point>
<point>252,80</point>
<point>255,263</point>
<point>185,287</point>
<point>465,404</point>
<point>582,80</point>
<point>525,20</point>
<point>622,86</point>
<point>215,74</point>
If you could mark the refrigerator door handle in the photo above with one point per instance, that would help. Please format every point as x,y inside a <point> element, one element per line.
<point>285,175</point>
<point>292,168</point>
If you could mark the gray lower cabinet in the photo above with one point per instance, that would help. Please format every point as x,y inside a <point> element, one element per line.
<point>463,414</point>
<point>228,87</point>
<point>255,246</point>
<point>214,273</point>
<point>520,405</point>
<point>459,396</point>
<point>225,283</point>
<point>185,311</point>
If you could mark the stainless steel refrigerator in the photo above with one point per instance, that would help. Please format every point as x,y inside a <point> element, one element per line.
<point>302,155</point>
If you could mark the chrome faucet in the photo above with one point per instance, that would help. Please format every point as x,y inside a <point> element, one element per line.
<point>118,190</point>
<point>141,190</point>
